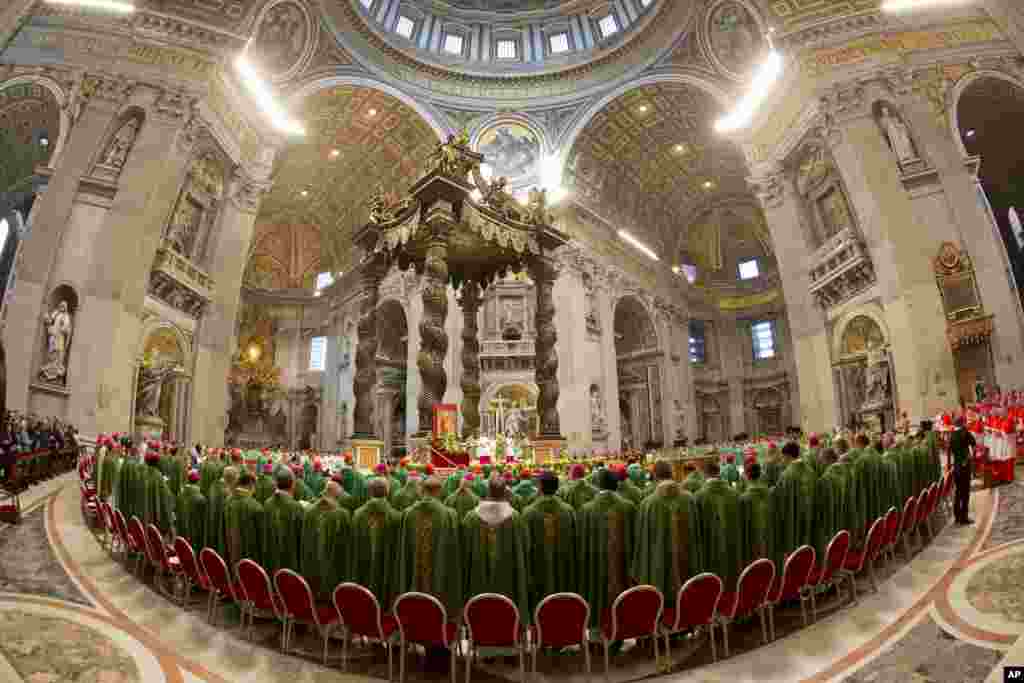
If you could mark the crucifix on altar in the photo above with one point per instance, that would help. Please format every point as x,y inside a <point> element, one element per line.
<point>455,228</point>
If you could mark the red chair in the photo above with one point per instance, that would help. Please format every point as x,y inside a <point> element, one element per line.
<point>907,523</point>
<point>933,505</point>
<point>892,532</point>
<point>423,620</point>
<point>824,576</point>
<point>492,621</point>
<point>859,560</point>
<point>635,613</point>
<point>790,586</point>
<point>137,535</point>
<point>106,515</point>
<point>90,503</point>
<point>361,615</point>
<point>299,606</point>
<point>947,491</point>
<point>561,620</point>
<point>258,598</point>
<point>127,542</point>
<point>221,587</point>
<point>921,513</point>
<point>165,564</point>
<point>696,604</point>
<point>191,573</point>
<point>750,596</point>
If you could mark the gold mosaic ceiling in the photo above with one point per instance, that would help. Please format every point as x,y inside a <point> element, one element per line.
<point>650,160</point>
<point>792,14</point>
<point>356,138</point>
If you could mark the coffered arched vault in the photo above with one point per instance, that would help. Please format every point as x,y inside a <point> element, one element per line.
<point>356,139</point>
<point>649,161</point>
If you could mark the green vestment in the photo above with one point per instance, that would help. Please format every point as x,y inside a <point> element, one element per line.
<point>772,471</point>
<point>494,544</point>
<point>130,488</point>
<point>264,488</point>
<point>375,534</point>
<point>191,520</point>
<point>794,507</point>
<point>173,468</point>
<point>326,541</point>
<point>244,524</point>
<point>354,483</point>
<point>462,501</point>
<point>216,501</point>
<point>430,559</point>
<point>209,472</point>
<point>667,548</point>
<point>757,507</point>
<point>605,527</point>
<point>551,559</point>
<point>578,493</point>
<point>630,491</point>
<point>694,481</point>
<point>730,473</point>
<point>407,496</point>
<point>282,532</point>
<point>158,503</point>
<point>721,530</point>
<point>848,513</point>
<point>301,492</point>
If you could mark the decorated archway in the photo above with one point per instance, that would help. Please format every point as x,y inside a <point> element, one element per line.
<point>639,366</point>
<point>163,385</point>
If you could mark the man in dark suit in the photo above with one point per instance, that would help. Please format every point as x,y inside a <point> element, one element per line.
<point>961,451</point>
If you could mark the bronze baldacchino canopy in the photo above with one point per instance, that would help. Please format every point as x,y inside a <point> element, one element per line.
<point>456,227</point>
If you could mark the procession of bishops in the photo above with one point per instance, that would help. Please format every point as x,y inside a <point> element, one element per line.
<point>524,534</point>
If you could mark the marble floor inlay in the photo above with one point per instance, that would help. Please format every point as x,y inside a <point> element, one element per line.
<point>999,588</point>
<point>28,563</point>
<point>43,649</point>
<point>927,654</point>
<point>1009,522</point>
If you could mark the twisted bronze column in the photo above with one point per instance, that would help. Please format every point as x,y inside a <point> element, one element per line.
<point>433,337</point>
<point>365,381</point>
<point>470,302</point>
<point>544,272</point>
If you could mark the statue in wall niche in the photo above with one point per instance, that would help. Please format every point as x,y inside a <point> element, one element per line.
<point>151,383</point>
<point>898,136</point>
<point>514,423</point>
<point>597,418</point>
<point>121,144</point>
<point>179,232</point>
<point>59,327</point>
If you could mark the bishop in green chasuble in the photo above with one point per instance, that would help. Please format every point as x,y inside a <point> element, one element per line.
<point>551,558</point>
<point>326,542</point>
<point>244,524</point>
<point>375,534</point>
<point>430,557</point>
<point>720,527</point>
<point>667,550</point>
<point>216,502</point>
<point>495,549</point>
<point>191,513</point>
<point>282,533</point>
<point>463,499</point>
<point>157,501</point>
<point>578,492</point>
<point>757,509</point>
<point>606,546</point>
<point>794,502</point>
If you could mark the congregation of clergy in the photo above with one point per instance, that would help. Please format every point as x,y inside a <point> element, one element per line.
<point>527,535</point>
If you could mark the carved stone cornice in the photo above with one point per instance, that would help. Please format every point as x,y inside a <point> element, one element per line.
<point>842,103</point>
<point>111,89</point>
<point>769,189</point>
<point>179,283</point>
<point>173,105</point>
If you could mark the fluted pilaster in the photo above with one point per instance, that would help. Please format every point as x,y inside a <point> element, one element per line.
<point>469,300</point>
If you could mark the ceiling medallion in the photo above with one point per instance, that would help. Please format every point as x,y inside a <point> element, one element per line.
<point>733,36</point>
<point>284,41</point>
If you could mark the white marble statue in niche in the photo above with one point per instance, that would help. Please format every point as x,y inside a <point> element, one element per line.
<point>116,153</point>
<point>59,327</point>
<point>182,228</point>
<point>597,418</point>
<point>898,136</point>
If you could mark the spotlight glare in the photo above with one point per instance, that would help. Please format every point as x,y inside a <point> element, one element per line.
<point>265,99</point>
<point>760,86</point>
<point>638,245</point>
<point>109,5</point>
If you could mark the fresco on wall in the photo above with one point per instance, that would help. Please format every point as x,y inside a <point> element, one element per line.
<point>281,39</point>
<point>735,37</point>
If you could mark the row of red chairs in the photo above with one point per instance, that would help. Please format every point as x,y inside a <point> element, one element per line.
<point>493,621</point>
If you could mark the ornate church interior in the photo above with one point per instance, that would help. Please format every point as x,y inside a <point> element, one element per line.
<point>751,268</point>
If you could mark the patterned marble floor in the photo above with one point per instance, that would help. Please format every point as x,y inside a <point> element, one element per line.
<point>953,613</point>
